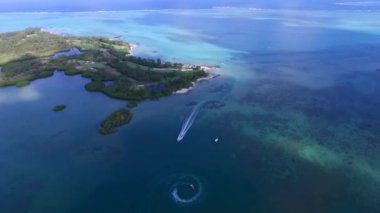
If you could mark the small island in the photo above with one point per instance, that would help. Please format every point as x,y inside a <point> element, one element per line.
<point>115,120</point>
<point>36,53</point>
<point>59,108</point>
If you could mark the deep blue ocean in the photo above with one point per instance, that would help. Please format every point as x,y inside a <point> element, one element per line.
<point>295,111</point>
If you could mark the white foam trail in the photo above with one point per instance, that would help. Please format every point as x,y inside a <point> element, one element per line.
<point>197,191</point>
<point>189,121</point>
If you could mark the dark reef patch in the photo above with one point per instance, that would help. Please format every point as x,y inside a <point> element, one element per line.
<point>214,105</point>
<point>132,104</point>
<point>192,103</point>
<point>55,135</point>
<point>222,88</point>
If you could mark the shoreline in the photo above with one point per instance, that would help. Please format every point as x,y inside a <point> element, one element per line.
<point>205,68</point>
<point>207,78</point>
<point>131,48</point>
<point>103,60</point>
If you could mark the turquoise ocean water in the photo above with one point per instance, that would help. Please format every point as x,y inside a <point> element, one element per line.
<point>298,118</point>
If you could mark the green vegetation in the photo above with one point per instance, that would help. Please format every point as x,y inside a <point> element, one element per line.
<point>95,86</point>
<point>45,74</point>
<point>27,55</point>
<point>59,108</point>
<point>115,120</point>
<point>29,44</point>
<point>22,83</point>
<point>153,63</point>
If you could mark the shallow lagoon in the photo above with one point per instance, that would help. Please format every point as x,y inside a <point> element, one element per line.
<point>298,130</point>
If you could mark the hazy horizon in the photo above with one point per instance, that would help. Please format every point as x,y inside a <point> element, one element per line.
<point>86,5</point>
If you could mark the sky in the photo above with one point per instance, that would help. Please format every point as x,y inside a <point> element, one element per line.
<point>89,5</point>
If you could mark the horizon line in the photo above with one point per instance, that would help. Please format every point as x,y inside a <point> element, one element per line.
<point>211,8</point>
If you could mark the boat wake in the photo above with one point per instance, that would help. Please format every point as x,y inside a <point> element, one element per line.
<point>189,121</point>
<point>171,189</point>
